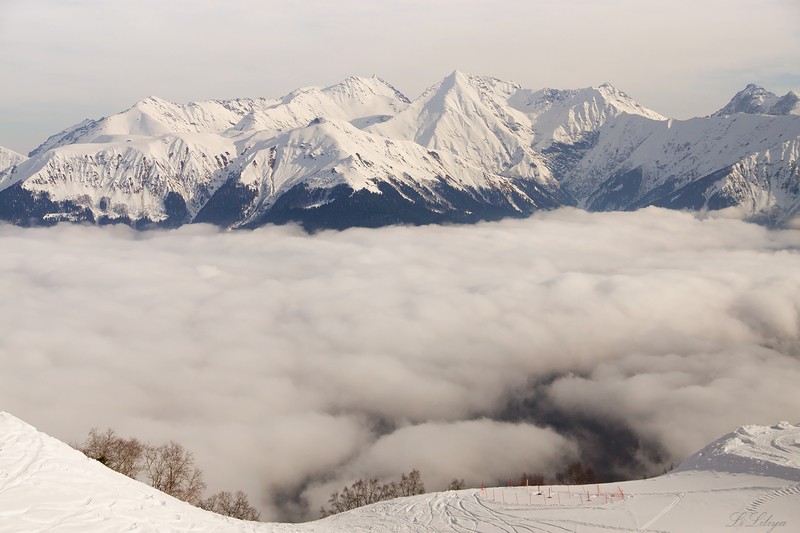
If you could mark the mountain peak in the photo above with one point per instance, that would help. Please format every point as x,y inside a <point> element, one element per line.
<point>788,104</point>
<point>456,78</point>
<point>372,85</point>
<point>9,159</point>
<point>10,154</point>
<point>152,100</point>
<point>753,99</point>
<point>458,74</point>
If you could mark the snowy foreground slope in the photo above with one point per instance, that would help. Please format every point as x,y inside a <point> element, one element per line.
<point>748,480</point>
<point>359,153</point>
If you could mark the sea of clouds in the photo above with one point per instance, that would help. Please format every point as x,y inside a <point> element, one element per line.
<point>291,364</point>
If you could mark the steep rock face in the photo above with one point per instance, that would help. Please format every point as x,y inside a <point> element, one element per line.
<point>788,104</point>
<point>702,163</point>
<point>766,183</point>
<point>129,178</point>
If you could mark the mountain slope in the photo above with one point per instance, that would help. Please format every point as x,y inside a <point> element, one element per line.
<point>8,161</point>
<point>353,99</point>
<point>754,99</point>
<point>153,117</point>
<point>361,101</point>
<point>125,178</point>
<point>749,475</point>
<point>503,126</point>
<point>329,171</point>
<point>701,163</point>
<point>359,153</point>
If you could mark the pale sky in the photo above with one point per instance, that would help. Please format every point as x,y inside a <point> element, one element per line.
<point>66,60</point>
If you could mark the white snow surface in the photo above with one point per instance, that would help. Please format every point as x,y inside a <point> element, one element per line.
<point>486,133</point>
<point>9,159</point>
<point>748,480</point>
<point>503,125</point>
<point>757,100</point>
<point>132,174</point>
<point>762,151</point>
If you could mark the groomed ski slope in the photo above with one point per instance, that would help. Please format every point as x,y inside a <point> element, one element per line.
<point>748,481</point>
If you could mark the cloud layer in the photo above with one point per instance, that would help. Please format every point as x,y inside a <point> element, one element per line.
<point>291,364</point>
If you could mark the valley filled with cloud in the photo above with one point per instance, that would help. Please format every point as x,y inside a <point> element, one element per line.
<point>292,364</point>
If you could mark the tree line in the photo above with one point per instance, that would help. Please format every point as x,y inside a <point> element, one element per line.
<point>367,491</point>
<point>169,468</point>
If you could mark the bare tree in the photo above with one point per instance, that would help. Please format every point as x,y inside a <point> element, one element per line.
<point>576,474</point>
<point>367,491</point>
<point>170,469</point>
<point>456,484</point>
<point>233,505</point>
<point>361,492</point>
<point>123,455</point>
<point>411,484</point>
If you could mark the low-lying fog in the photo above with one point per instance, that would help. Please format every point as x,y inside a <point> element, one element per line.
<point>291,364</point>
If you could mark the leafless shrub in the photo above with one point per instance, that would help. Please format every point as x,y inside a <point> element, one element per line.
<point>368,491</point>
<point>234,505</point>
<point>125,456</point>
<point>456,484</point>
<point>170,469</point>
<point>576,474</point>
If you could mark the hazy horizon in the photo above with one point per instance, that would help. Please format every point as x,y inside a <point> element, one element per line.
<point>68,61</point>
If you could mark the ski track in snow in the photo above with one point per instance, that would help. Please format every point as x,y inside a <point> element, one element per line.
<point>788,492</point>
<point>666,509</point>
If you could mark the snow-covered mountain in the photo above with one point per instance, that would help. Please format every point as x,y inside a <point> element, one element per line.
<point>701,163</point>
<point>356,99</point>
<point>757,100</point>
<point>360,153</point>
<point>8,163</point>
<point>747,479</point>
